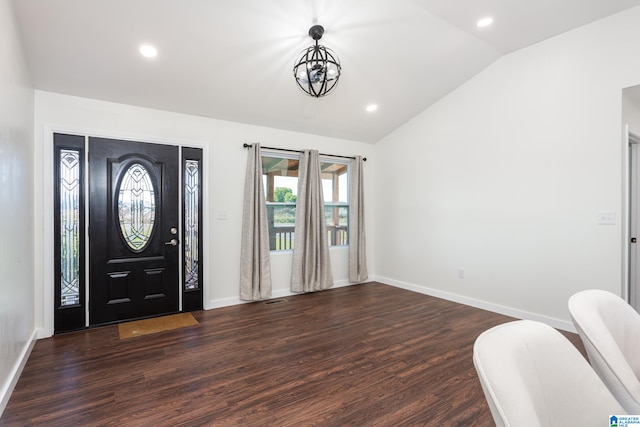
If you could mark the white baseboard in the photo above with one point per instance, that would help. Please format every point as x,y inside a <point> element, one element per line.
<point>14,375</point>
<point>44,333</point>
<point>226,302</point>
<point>484,305</point>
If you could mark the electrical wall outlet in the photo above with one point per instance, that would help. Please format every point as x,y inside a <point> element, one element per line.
<point>461,273</point>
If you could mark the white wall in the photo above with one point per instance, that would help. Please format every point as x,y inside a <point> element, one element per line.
<point>16,206</point>
<point>225,162</point>
<point>505,176</point>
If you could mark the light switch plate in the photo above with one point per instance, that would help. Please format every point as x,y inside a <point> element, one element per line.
<point>606,218</point>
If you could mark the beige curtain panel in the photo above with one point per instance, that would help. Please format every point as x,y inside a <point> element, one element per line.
<point>255,267</point>
<point>357,242</point>
<point>311,269</point>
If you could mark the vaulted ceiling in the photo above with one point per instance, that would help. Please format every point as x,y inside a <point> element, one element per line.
<point>233,60</point>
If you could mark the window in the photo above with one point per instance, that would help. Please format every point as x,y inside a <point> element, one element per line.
<point>69,232</point>
<point>192,292</point>
<point>335,189</point>
<point>136,207</point>
<point>280,180</point>
<point>191,223</point>
<point>69,189</point>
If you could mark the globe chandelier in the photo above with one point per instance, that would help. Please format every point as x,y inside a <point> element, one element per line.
<point>317,69</point>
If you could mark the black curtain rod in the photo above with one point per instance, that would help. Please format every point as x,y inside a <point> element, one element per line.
<point>245,145</point>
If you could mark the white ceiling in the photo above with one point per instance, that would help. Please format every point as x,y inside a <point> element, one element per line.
<point>233,60</point>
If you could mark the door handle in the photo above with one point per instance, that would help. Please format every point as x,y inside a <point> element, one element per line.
<point>172,242</point>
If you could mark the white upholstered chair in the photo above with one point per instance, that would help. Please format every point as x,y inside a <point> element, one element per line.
<point>610,331</point>
<point>532,375</point>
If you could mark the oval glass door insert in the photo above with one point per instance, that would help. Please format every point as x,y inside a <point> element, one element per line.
<point>136,207</point>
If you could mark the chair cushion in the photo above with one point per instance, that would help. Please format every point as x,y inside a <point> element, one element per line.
<point>610,331</point>
<point>533,376</point>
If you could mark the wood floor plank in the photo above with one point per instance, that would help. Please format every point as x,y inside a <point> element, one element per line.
<point>365,355</point>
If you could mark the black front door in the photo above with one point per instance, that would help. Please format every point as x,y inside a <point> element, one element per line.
<point>133,230</point>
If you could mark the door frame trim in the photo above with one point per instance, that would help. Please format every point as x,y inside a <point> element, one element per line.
<point>46,302</point>
<point>631,143</point>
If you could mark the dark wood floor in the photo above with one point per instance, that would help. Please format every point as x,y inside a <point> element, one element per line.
<point>366,355</point>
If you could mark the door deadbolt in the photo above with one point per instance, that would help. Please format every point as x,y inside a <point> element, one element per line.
<point>173,231</point>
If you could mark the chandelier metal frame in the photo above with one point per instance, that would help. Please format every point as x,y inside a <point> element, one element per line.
<point>317,69</point>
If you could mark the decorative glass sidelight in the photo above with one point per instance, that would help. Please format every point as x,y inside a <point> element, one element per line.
<point>191,214</point>
<point>69,227</point>
<point>136,207</point>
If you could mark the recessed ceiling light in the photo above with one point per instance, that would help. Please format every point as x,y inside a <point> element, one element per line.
<point>484,22</point>
<point>148,51</point>
<point>371,108</point>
